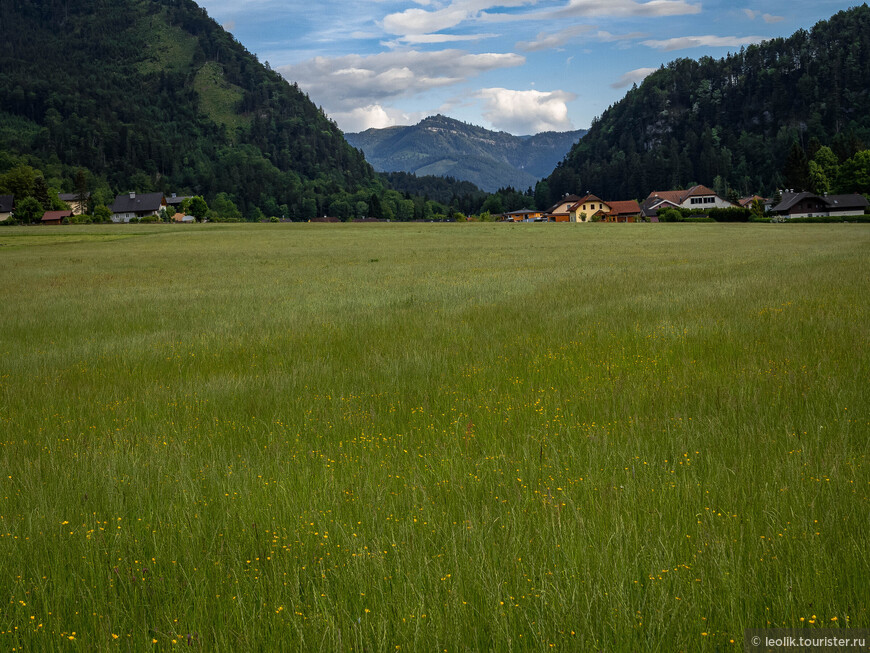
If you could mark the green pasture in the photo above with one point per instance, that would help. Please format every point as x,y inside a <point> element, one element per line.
<point>430,437</point>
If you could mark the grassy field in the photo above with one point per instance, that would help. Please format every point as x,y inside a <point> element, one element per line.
<point>432,437</point>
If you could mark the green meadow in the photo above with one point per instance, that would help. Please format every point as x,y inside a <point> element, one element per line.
<point>426,437</point>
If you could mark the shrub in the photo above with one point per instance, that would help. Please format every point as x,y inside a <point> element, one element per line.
<point>731,214</point>
<point>670,215</point>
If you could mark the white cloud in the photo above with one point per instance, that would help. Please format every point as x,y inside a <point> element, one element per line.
<point>420,21</point>
<point>633,77</point>
<point>526,112</point>
<point>375,116</point>
<point>357,83</point>
<point>684,42</point>
<point>601,8</point>
<point>770,18</point>
<point>552,40</point>
<point>445,17</point>
<point>555,40</point>
<point>429,39</point>
<point>751,14</point>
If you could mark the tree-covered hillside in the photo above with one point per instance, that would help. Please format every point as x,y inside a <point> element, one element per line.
<point>733,123</point>
<point>154,95</point>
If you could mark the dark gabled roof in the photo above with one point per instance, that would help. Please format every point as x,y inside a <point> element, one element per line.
<point>831,202</point>
<point>137,202</point>
<point>6,203</point>
<point>176,199</point>
<point>844,202</point>
<point>522,212</point>
<point>72,197</point>
<point>572,199</point>
<point>651,205</point>
<point>789,200</point>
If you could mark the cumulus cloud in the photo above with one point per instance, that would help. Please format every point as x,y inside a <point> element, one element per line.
<point>526,112</point>
<point>633,77</point>
<point>354,87</point>
<point>374,116</point>
<point>684,42</point>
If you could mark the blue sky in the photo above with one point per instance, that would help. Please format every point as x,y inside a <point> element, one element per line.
<point>521,66</point>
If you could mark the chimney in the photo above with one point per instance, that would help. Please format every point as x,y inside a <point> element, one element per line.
<point>173,195</point>
<point>132,196</point>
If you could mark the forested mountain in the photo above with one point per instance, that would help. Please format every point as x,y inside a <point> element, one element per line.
<point>154,95</point>
<point>446,147</point>
<point>751,122</point>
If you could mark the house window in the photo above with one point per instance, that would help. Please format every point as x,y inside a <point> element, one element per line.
<point>696,200</point>
<point>709,200</point>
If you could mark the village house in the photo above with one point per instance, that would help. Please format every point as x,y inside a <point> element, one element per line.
<point>561,212</point>
<point>174,201</point>
<point>55,217</point>
<point>623,211</point>
<point>130,205</point>
<point>696,197</point>
<point>808,205</point>
<point>7,204</point>
<point>523,215</point>
<point>588,209</point>
<point>77,207</point>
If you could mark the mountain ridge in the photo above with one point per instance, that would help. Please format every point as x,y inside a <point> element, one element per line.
<point>446,147</point>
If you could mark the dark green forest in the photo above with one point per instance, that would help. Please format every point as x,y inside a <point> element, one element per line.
<point>153,95</point>
<point>788,113</point>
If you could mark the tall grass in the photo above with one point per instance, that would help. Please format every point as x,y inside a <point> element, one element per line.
<point>427,437</point>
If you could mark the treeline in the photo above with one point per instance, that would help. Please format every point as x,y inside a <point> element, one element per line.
<point>736,123</point>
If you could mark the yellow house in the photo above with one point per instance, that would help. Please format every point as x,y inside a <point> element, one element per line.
<point>587,208</point>
<point>559,212</point>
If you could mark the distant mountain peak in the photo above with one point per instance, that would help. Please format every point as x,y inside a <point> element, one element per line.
<point>444,146</point>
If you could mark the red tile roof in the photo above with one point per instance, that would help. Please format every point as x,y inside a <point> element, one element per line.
<point>680,196</point>
<point>626,207</point>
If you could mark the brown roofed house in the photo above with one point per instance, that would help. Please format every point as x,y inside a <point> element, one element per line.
<point>696,197</point>
<point>55,217</point>
<point>624,211</point>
